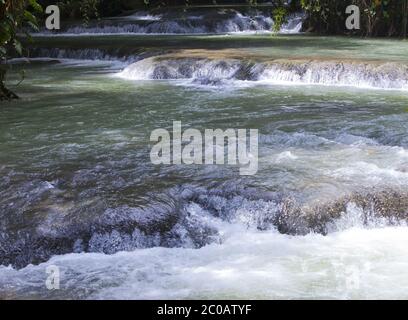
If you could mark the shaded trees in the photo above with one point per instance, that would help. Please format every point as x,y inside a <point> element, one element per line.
<point>14,16</point>
<point>378,17</point>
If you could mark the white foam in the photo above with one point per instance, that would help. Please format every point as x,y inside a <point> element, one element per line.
<point>356,263</point>
<point>360,75</point>
<point>143,16</point>
<point>235,22</point>
<point>385,76</point>
<point>285,156</point>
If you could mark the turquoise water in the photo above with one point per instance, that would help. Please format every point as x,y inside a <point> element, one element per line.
<point>324,217</point>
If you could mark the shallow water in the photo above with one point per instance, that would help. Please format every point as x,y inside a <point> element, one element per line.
<point>324,217</point>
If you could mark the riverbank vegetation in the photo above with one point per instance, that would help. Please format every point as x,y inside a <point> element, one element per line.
<point>383,18</point>
<point>15,16</point>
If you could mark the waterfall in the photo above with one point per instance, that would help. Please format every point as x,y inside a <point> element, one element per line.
<point>153,66</point>
<point>357,74</point>
<point>220,22</point>
<point>294,24</point>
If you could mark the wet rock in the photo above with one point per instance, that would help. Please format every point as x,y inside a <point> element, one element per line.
<point>189,216</point>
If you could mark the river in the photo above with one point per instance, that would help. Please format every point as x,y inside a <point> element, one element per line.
<point>324,217</point>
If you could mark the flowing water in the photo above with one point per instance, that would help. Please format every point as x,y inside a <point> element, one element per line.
<point>324,217</point>
<point>189,21</point>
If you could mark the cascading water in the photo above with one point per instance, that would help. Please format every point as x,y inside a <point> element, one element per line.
<point>357,74</point>
<point>293,24</point>
<point>219,22</point>
<point>78,190</point>
<point>148,66</point>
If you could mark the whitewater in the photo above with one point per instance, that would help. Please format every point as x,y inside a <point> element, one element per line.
<point>324,218</point>
<point>226,21</point>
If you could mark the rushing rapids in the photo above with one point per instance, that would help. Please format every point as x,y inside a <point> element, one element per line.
<point>77,189</point>
<point>218,22</point>
<point>358,74</point>
<point>193,66</point>
<point>191,217</point>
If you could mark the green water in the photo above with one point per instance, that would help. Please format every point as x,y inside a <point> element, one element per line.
<point>255,46</point>
<point>75,153</point>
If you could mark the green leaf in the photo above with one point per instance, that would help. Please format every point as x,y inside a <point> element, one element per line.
<point>18,47</point>
<point>35,5</point>
<point>29,17</point>
<point>32,26</point>
<point>31,20</point>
